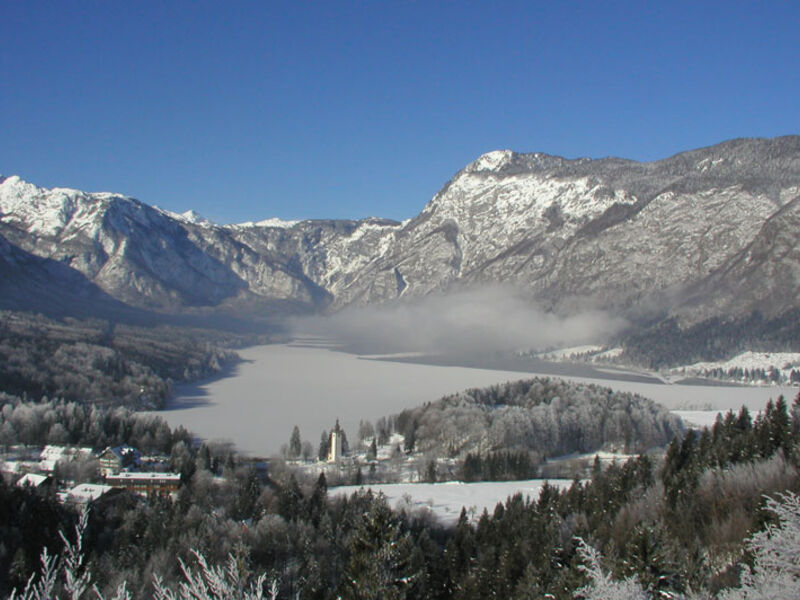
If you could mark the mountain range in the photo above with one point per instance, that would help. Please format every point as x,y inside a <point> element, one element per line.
<point>704,233</point>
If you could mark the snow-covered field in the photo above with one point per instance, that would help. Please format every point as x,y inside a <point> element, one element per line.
<point>592,353</point>
<point>572,351</point>
<point>279,386</point>
<point>783,362</point>
<point>752,360</point>
<point>701,418</point>
<point>445,500</point>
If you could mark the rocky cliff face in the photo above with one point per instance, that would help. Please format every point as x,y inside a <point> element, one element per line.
<point>701,233</point>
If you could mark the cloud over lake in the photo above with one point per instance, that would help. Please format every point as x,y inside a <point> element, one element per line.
<point>481,320</point>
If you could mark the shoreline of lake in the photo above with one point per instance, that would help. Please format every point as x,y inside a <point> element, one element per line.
<point>257,402</point>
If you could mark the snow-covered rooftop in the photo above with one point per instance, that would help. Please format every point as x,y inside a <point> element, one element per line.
<point>32,480</point>
<point>87,492</point>
<point>127,476</point>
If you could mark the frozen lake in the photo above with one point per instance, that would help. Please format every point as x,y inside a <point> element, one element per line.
<point>278,386</point>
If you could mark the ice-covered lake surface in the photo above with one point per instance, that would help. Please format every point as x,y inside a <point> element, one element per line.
<point>275,387</point>
<point>445,500</point>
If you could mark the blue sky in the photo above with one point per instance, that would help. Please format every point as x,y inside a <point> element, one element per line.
<point>248,110</point>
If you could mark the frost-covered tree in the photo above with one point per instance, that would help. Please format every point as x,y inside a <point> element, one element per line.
<point>66,577</point>
<point>66,573</point>
<point>601,586</point>
<point>215,583</point>
<point>775,574</point>
<point>776,556</point>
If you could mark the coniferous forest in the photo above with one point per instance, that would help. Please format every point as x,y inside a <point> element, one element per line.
<point>672,526</point>
<point>102,362</point>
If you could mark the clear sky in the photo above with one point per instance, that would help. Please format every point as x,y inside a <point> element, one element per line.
<point>248,110</point>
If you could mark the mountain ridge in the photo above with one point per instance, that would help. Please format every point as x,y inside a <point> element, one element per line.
<point>635,238</point>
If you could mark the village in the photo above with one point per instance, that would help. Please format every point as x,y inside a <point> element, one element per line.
<point>79,475</point>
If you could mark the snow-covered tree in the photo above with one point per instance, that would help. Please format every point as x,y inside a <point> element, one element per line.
<point>601,586</point>
<point>775,574</point>
<point>776,556</point>
<point>67,573</point>
<point>215,583</point>
<point>66,577</point>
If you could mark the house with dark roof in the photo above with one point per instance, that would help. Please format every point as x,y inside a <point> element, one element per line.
<point>113,460</point>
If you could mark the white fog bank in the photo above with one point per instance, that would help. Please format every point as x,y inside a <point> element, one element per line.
<point>472,321</point>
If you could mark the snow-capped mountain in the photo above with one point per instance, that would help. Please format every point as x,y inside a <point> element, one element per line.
<point>702,233</point>
<point>610,233</point>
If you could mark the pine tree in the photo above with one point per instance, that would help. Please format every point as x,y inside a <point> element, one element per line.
<point>317,502</point>
<point>324,445</point>
<point>295,443</point>
<point>380,563</point>
<point>430,471</point>
<point>372,453</point>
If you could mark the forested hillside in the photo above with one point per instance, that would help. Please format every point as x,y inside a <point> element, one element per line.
<point>97,361</point>
<point>676,525</point>
<point>666,344</point>
<point>545,416</point>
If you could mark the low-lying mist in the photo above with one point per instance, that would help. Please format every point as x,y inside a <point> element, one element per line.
<point>477,321</point>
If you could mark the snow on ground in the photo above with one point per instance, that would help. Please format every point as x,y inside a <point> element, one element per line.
<point>609,354</point>
<point>784,362</point>
<point>698,418</point>
<point>273,222</point>
<point>592,353</point>
<point>564,353</point>
<point>705,418</point>
<point>603,455</point>
<point>445,500</point>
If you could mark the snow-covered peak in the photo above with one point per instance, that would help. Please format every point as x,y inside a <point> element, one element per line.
<point>37,209</point>
<point>491,161</point>
<point>272,222</point>
<point>276,222</point>
<point>195,217</point>
<point>44,211</point>
<point>16,186</point>
<point>190,216</point>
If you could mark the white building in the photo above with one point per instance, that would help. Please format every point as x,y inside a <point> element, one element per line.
<point>85,493</point>
<point>32,480</point>
<point>52,455</point>
<point>335,451</point>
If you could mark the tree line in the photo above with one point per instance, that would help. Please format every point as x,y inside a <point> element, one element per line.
<point>666,344</point>
<point>676,524</point>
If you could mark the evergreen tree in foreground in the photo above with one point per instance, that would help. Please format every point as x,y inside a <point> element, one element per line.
<point>380,563</point>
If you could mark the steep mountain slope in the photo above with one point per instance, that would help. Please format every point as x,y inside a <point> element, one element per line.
<point>700,233</point>
<point>29,283</point>
<point>765,274</point>
<point>609,233</point>
<point>142,255</point>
